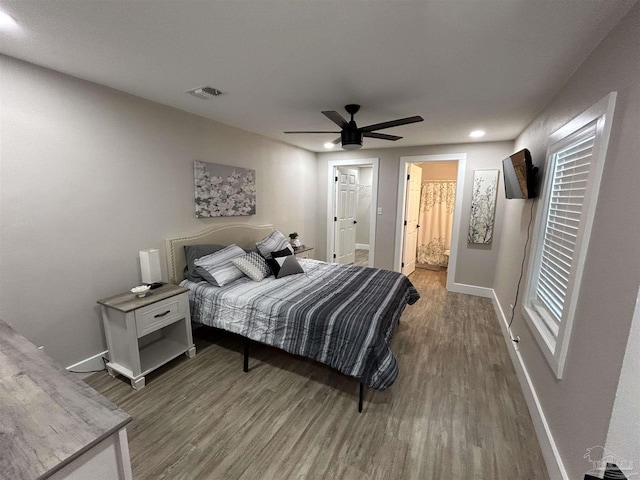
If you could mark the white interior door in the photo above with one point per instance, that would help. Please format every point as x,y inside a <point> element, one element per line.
<point>412,214</point>
<point>345,218</point>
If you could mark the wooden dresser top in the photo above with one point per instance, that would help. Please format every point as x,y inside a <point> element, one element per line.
<point>47,416</point>
<point>126,302</point>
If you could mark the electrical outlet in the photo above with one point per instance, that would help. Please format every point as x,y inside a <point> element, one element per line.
<point>379,210</point>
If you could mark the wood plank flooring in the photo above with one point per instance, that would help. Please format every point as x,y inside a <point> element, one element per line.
<point>456,411</point>
<point>362,258</point>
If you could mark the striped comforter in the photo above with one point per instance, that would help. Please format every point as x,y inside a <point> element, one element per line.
<point>340,315</point>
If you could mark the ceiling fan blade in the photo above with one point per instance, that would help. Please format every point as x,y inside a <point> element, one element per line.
<point>336,118</point>
<point>392,123</point>
<point>337,141</point>
<point>381,136</point>
<point>303,131</point>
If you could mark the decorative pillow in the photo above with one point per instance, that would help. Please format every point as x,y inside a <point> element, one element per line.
<point>275,241</point>
<point>282,253</point>
<point>283,266</point>
<point>253,266</point>
<point>193,252</point>
<point>217,268</point>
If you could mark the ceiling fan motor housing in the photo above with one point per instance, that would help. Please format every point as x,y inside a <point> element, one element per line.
<point>351,139</point>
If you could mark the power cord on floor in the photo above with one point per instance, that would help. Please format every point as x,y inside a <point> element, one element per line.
<point>104,361</point>
<point>524,257</point>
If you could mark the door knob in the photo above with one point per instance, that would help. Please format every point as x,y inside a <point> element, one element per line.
<point>355,221</point>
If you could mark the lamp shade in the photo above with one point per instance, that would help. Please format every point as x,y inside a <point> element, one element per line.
<point>150,265</point>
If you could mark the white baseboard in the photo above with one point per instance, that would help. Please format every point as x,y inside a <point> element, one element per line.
<point>362,246</point>
<point>552,458</point>
<point>470,290</point>
<point>89,364</point>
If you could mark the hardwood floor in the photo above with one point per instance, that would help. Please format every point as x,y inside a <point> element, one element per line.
<point>456,411</point>
<point>362,258</point>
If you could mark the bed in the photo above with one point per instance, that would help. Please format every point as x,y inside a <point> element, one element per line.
<point>343,316</point>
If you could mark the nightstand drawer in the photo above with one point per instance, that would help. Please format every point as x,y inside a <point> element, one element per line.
<point>158,315</point>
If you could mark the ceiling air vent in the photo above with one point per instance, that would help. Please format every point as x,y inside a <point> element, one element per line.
<point>205,92</point>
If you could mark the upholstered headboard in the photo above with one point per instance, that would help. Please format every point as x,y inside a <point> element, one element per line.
<point>243,235</point>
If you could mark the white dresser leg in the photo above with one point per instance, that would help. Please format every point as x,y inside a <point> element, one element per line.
<point>137,384</point>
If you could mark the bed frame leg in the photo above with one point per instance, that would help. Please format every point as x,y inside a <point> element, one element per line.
<point>360,397</point>
<point>245,366</point>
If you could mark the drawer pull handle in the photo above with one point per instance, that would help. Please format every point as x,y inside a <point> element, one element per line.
<point>161,314</point>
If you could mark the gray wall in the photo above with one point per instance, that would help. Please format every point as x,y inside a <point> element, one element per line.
<point>578,407</point>
<point>90,176</point>
<point>475,264</point>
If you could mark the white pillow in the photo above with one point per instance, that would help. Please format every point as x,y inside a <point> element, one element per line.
<point>218,268</point>
<point>253,266</point>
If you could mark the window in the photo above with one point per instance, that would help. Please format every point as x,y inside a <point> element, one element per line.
<point>575,160</point>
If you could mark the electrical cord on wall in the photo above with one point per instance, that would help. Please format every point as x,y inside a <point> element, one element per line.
<point>524,257</point>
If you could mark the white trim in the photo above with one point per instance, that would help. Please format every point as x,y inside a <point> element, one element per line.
<point>555,349</point>
<point>88,364</point>
<point>550,453</point>
<point>461,158</point>
<point>331,167</point>
<point>471,290</point>
<point>362,246</point>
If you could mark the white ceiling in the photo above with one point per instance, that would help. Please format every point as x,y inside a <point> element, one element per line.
<point>460,64</point>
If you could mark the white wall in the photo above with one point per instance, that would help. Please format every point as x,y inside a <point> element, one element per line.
<point>475,263</point>
<point>90,176</point>
<point>578,407</point>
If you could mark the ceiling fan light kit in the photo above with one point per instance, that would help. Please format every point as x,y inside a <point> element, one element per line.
<point>351,135</point>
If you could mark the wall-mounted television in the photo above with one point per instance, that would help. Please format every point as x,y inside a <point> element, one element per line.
<point>519,175</point>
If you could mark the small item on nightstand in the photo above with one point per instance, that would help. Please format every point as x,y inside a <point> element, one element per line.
<point>154,285</point>
<point>140,290</point>
<point>294,240</point>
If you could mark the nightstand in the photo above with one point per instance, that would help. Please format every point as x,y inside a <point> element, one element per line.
<point>145,333</point>
<point>303,252</point>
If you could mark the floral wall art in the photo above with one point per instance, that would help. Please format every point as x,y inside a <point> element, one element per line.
<point>223,190</point>
<point>483,206</point>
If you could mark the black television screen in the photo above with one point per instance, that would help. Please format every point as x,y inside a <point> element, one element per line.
<point>519,175</point>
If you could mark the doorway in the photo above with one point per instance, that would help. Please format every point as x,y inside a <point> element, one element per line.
<point>351,211</point>
<point>429,214</point>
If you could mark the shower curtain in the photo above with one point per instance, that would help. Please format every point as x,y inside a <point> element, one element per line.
<point>436,221</point>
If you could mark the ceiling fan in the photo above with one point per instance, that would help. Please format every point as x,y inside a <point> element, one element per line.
<point>351,135</point>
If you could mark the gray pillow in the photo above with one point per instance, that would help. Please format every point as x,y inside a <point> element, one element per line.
<point>283,266</point>
<point>217,268</point>
<point>275,241</point>
<point>192,253</point>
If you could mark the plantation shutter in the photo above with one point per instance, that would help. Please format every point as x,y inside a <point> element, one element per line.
<point>571,167</point>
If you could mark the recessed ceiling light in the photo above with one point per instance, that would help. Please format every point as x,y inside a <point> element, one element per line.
<point>329,145</point>
<point>7,21</point>
<point>477,134</point>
